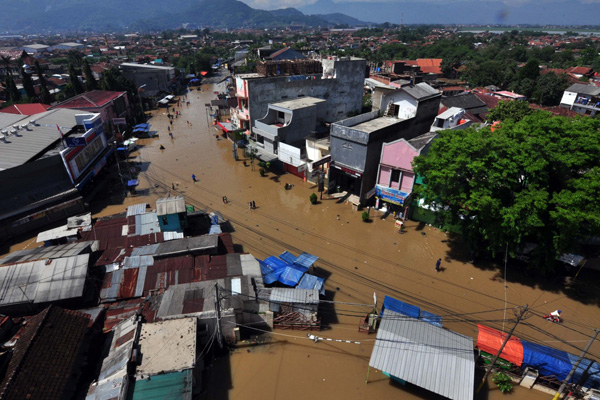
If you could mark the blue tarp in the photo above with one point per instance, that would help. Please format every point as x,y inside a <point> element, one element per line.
<point>592,378</point>
<point>142,126</point>
<point>309,281</point>
<point>306,260</point>
<point>546,360</point>
<point>400,307</point>
<point>269,274</point>
<point>214,230</point>
<point>431,318</point>
<point>288,257</point>
<point>290,276</point>
<point>275,263</point>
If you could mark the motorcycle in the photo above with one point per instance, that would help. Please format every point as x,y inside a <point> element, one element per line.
<point>552,318</point>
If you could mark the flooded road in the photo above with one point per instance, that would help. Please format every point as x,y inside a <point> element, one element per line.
<point>359,258</point>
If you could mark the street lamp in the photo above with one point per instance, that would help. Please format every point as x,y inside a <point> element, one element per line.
<point>140,98</point>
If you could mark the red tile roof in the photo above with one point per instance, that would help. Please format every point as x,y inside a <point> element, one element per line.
<point>93,99</point>
<point>26,109</point>
<point>44,364</point>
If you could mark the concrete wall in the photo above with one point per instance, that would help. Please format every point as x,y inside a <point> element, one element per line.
<point>156,80</point>
<point>343,89</point>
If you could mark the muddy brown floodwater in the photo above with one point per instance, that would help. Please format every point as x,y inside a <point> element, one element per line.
<point>360,259</point>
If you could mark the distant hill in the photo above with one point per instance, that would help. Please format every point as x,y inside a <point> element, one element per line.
<point>35,16</point>
<point>548,12</point>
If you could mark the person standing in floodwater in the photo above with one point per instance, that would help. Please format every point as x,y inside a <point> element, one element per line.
<point>438,264</point>
<point>194,178</point>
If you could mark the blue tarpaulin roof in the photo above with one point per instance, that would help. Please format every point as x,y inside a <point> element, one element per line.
<point>275,262</point>
<point>546,360</point>
<point>288,257</point>
<point>400,307</point>
<point>309,281</point>
<point>306,260</point>
<point>269,274</point>
<point>290,276</point>
<point>592,378</point>
<point>431,318</point>
<point>143,126</point>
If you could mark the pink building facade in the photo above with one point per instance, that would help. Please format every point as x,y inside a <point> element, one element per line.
<point>396,178</point>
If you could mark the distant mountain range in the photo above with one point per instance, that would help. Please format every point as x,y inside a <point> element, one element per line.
<point>35,16</point>
<point>546,12</point>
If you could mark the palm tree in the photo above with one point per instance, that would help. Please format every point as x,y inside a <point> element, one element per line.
<point>6,61</point>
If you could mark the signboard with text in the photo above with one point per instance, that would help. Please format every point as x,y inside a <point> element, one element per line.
<point>390,195</point>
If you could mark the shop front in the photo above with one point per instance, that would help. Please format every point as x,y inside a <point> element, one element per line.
<point>391,200</point>
<point>344,179</point>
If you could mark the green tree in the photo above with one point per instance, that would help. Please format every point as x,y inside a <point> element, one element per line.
<point>14,95</point>
<point>90,81</point>
<point>28,86</point>
<point>45,95</point>
<point>505,110</point>
<point>75,82</point>
<point>532,181</point>
<point>549,89</point>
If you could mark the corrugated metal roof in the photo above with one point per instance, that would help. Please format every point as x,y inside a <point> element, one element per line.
<point>43,253</point>
<point>113,381</point>
<point>425,355</point>
<point>40,281</point>
<point>175,385</point>
<point>170,205</point>
<point>137,261</point>
<point>421,91</point>
<point>29,143</point>
<point>146,224</point>
<point>136,209</point>
<point>56,233</point>
<point>172,236</point>
<point>285,295</point>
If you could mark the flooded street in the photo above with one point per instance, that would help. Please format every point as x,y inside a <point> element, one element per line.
<point>358,259</point>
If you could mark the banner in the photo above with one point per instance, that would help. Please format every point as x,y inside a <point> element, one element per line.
<point>390,195</point>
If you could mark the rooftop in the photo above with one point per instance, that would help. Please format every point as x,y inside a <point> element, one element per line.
<point>376,124</point>
<point>93,99</point>
<point>167,346</point>
<point>421,91</point>
<point>580,88</point>
<point>300,102</point>
<point>44,280</point>
<point>30,141</point>
<point>26,109</point>
<point>45,359</point>
<point>425,355</point>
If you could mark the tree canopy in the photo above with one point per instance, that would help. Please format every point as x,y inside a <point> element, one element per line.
<point>532,181</point>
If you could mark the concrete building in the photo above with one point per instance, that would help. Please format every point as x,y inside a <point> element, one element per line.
<point>106,103</point>
<point>283,131</point>
<point>583,99</point>
<point>395,178</point>
<point>42,173</point>
<point>453,118</point>
<point>340,83</point>
<point>35,48</point>
<point>356,142</point>
<point>158,79</point>
<point>67,46</point>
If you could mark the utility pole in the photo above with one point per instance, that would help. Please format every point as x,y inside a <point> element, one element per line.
<point>218,309</point>
<point>568,378</point>
<point>519,318</point>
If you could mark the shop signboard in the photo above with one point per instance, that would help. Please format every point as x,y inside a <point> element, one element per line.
<point>390,195</point>
<point>75,141</point>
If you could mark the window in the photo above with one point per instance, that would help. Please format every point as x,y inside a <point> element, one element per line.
<point>395,176</point>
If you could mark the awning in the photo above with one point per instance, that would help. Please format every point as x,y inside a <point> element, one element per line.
<point>490,340</point>
<point>227,127</point>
